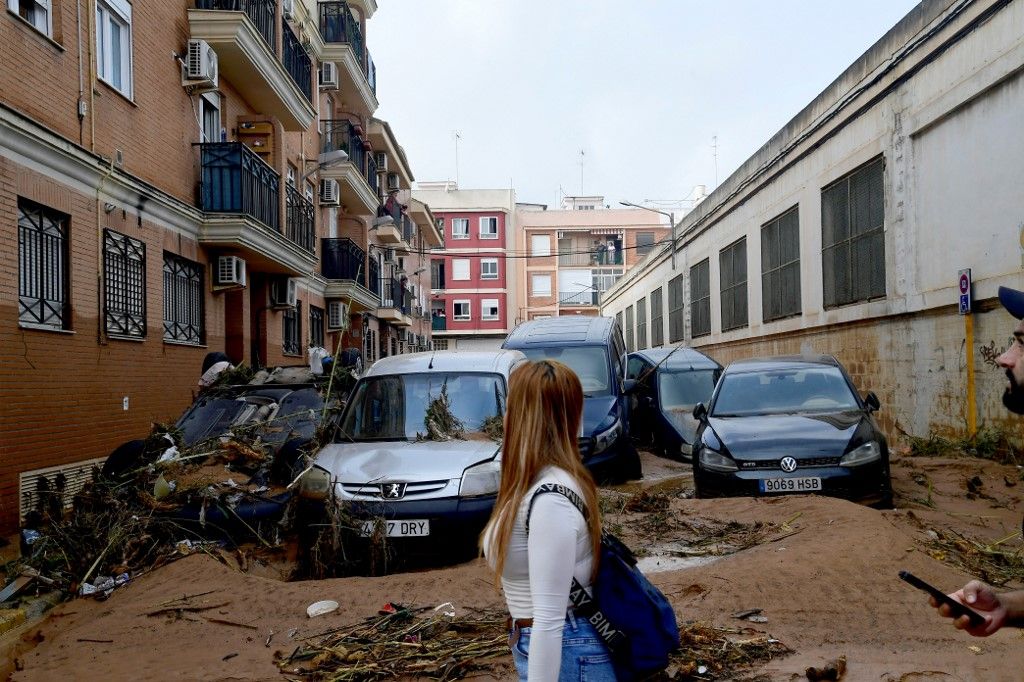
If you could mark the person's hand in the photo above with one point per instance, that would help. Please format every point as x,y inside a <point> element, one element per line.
<point>983,599</point>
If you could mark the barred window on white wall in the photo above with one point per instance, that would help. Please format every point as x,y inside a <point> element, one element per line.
<point>780,266</point>
<point>292,330</point>
<point>853,236</point>
<point>124,284</point>
<point>732,273</point>
<point>183,300</point>
<point>657,319</point>
<point>641,324</point>
<point>628,332</point>
<point>42,266</point>
<point>700,299</point>
<point>676,322</point>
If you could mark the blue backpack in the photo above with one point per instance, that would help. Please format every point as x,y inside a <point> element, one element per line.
<point>632,617</point>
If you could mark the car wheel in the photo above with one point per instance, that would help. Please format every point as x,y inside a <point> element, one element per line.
<point>289,461</point>
<point>123,459</point>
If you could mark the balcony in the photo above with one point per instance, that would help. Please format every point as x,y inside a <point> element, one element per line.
<point>395,303</point>
<point>438,323</point>
<point>240,194</point>
<point>296,62</point>
<point>243,33</point>
<point>299,224</point>
<point>576,298</point>
<point>357,194</point>
<point>343,265</point>
<point>393,234</point>
<point>340,40</point>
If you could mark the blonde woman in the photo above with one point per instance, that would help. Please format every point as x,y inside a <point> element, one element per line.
<point>536,567</point>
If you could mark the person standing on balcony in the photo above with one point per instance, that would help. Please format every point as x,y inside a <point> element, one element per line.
<point>602,252</point>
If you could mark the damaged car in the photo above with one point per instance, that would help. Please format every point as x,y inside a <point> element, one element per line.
<point>417,450</point>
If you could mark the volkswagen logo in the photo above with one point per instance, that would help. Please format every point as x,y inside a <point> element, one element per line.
<point>788,464</point>
<point>392,491</point>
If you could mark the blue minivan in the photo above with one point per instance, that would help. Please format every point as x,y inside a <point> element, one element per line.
<point>593,348</point>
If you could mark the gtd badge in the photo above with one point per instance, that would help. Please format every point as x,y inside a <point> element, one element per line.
<point>788,464</point>
<point>396,491</point>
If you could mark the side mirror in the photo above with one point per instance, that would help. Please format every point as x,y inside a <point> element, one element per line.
<point>871,400</point>
<point>700,413</point>
<point>629,386</point>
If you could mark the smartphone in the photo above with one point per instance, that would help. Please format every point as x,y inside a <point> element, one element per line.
<point>956,607</point>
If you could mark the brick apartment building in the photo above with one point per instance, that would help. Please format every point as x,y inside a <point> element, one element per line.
<point>472,302</point>
<point>182,177</point>
<point>578,252</point>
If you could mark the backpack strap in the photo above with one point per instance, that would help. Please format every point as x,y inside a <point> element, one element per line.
<point>559,489</point>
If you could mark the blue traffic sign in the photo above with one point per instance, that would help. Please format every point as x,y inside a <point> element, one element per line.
<point>965,304</point>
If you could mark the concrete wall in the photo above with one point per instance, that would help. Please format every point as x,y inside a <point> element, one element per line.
<point>939,100</point>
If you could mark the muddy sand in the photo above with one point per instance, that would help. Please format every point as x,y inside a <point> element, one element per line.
<point>824,572</point>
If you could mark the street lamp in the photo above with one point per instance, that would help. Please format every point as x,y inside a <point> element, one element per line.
<point>672,225</point>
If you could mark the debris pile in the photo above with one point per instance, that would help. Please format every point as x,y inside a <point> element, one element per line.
<point>403,642</point>
<point>998,562</point>
<point>708,652</point>
<point>989,443</point>
<point>440,422</point>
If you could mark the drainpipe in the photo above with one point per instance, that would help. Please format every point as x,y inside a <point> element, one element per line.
<point>100,293</point>
<point>81,77</point>
<point>92,78</point>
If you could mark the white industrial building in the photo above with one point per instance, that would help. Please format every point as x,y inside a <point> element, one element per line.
<point>846,232</point>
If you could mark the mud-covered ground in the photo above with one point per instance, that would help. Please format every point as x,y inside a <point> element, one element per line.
<point>822,571</point>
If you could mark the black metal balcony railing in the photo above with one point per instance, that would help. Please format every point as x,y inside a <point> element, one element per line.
<point>438,323</point>
<point>394,295</point>
<point>260,12</point>
<point>339,25</point>
<point>371,73</point>
<point>408,229</point>
<point>577,297</point>
<point>236,180</point>
<point>371,174</point>
<point>341,134</point>
<point>342,259</point>
<point>299,226</point>
<point>373,277</point>
<point>296,61</point>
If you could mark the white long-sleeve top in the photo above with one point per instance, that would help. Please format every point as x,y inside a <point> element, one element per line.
<point>539,568</point>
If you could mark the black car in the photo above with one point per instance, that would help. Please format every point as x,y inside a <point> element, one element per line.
<point>791,425</point>
<point>670,382</point>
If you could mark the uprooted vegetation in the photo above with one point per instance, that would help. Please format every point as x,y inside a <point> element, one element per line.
<point>440,421</point>
<point>988,443</point>
<point>998,562</point>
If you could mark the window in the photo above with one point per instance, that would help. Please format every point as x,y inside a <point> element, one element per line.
<point>209,116</point>
<point>42,266</point>
<point>644,243</point>
<point>700,299</point>
<point>36,12</point>
<point>780,267</point>
<point>618,319</point>
<point>460,269</point>
<point>489,309</point>
<point>489,268</point>
<point>461,311</point>
<point>489,227</point>
<point>540,285</point>
<point>540,244</point>
<point>183,300</point>
<point>316,326</point>
<point>641,324</point>
<point>732,275</point>
<point>437,274</point>
<point>630,347</point>
<point>657,326</point>
<point>853,237</point>
<point>124,284</point>
<point>460,228</point>
<point>676,324</point>
<point>370,345</point>
<point>114,44</point>
<point>291,333</point>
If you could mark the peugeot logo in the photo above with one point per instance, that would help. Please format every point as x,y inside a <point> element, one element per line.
<point>392,491</point>
<point>788,464</point>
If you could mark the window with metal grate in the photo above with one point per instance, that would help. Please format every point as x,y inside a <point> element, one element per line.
<point>42,266</point>
<point>780,266</point>
<point>628,331</point>
<point>676,304</point>
<point>641,324</point>
<point>732,274</point>
<point>124,285</point>
<point>657,319</point>
<point>183,300</point>
<point>853,236</point>
<point>700,299</point>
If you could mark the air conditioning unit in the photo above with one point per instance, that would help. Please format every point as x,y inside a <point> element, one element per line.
<point>393,181</point>
<point>230,271</point>
<point>200,69</point>
<point>284,292</point>
<point>382,161</point>
<point>328,76</point>
<point>389,255</point>
<point>288,8</point>
<point>337,315</point>
<point>330,195</point>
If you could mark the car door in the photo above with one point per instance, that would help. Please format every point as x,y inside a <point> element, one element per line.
<point>641,401</point>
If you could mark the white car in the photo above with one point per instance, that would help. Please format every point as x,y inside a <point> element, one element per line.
<point>382,465</point>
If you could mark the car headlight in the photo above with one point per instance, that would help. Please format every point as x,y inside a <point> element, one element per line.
<point>605,439</point>
<point>481,479</point>
<point>712,460</point>
<point>315,484</point>
<point>869,452</point>
<point>686,450</point>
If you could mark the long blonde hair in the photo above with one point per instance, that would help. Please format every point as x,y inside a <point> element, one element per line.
<point>542,425</point>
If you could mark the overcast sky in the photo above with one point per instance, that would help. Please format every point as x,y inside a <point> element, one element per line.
<point>641,86</point>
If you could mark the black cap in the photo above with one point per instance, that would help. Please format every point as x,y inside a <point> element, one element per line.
<point>1013,301</point>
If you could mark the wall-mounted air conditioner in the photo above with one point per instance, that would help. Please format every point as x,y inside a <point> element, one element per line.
<point>199,71</point>
<point>230,271</point>
<point>389,255</point>
<point>328,76</point>
<point>330,194</point>
<point>393,181</point>
<point>337,315</point>
<point>284,292</point>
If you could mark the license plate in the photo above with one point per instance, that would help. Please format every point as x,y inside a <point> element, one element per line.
<point>791,485</point>
<point>415,528</point>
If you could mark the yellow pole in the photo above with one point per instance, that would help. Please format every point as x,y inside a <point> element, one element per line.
<point>972,426</point>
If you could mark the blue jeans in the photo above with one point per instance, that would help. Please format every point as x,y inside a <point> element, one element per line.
<point>584,655</point>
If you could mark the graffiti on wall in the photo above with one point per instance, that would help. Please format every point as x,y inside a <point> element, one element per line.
<point>990,353</point>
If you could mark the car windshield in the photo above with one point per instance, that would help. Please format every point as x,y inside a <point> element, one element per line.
<point>394,407</point>
<point>811,389</point>
<point>589,362</point>
<point>683,390</point>
<point>277,414</point>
